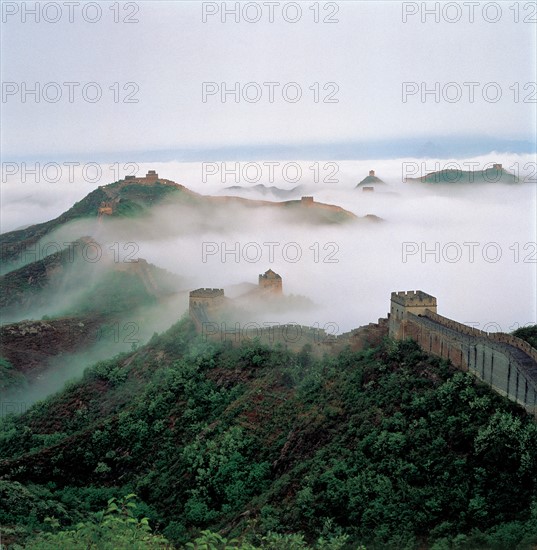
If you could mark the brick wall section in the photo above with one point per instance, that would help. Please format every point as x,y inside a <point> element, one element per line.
<point>502,361</point>
<point>506,363</point>
<point>516,342</point>
<point>207,306</point>
<point>500,337</point>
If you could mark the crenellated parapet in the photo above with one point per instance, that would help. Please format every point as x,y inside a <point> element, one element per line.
<point>454,325</point>
<point>496,336</point>
<point>515,342</point>
<point>207,292</point>
<point>204,304</point>
<point>207,297</point>
<point>270,282</point>
<point>402,303</point>
<point>503,361</point>
<point>411,298</point>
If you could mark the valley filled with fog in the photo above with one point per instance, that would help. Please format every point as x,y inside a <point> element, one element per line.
<point>470,245</point>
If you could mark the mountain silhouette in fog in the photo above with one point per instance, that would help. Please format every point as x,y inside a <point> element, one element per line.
<point>494,174</point>
<point>134,198</point>
<point>265,190</point>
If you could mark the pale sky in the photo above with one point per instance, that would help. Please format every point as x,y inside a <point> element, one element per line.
<point>168,54</point>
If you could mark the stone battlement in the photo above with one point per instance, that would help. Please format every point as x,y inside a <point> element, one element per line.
<point>150,177</point>
<point>497,336</point>
<point>515,342</point>
<point>207,293</point>
<point>454,325</point>
<point>269,275</point>
<point>270,282</point>
<point>413,298</point>
<point>205,303</point>
<point>506,363</point>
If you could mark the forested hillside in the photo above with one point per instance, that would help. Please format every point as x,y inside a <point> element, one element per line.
<point>386,448</point>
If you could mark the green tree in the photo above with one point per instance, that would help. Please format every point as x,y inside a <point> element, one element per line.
<point>115,528</point>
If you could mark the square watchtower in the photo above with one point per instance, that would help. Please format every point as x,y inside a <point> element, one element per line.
<point>209,298</point>
<point>402,303</point>
<point>270,282</point>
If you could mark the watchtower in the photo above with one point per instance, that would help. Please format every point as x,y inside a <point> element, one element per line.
<point>151,176</point>
<point>402,303</point>
<point>372,173</point>
<point>209,298</point>
<point>270,282</point>
<point>497,166</point>
<point>307,201</point>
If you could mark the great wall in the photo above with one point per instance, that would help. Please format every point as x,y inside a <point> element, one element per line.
<point>506,363</point>
<point>141,268</point>
<point>108,207</point>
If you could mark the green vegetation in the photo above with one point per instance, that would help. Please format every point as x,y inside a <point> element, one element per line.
<point>115,292</point>
<point>10,378</point>
<point>21,284</point>
<point>134,199</point>
<point>111,529</point>
<point>257,448</point>
<point>117,527</point>
<point>14,243</point>
<point>452,176</point>
<point>529,334</point>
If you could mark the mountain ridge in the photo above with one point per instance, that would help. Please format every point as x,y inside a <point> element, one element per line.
<point>134,197</point>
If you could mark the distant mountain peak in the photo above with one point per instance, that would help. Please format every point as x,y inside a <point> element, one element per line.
<point>494,174</point>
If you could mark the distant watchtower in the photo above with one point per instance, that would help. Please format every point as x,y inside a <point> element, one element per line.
<point>209,298</point>
<point>497,166</point>
<point>307,201</point>
<point>270,282</point>
<point>205,305</point>
<point>151,176</point>
<point>372,173</point>
<point>416,302</point>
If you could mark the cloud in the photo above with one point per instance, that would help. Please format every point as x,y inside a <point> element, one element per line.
<point>347,270</point>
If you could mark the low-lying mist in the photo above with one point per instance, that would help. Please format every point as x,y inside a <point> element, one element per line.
<point>124,333</point>
<point>473,246</point>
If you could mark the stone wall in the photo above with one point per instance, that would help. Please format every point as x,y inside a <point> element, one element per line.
<point>501,361</point>
<point>416,302</point>
<point>204,304</point>
<point>516,342</point>
<point>506,363</point>
<point>270,282</point>
<point>290,336</point>
<point>141,268</point>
